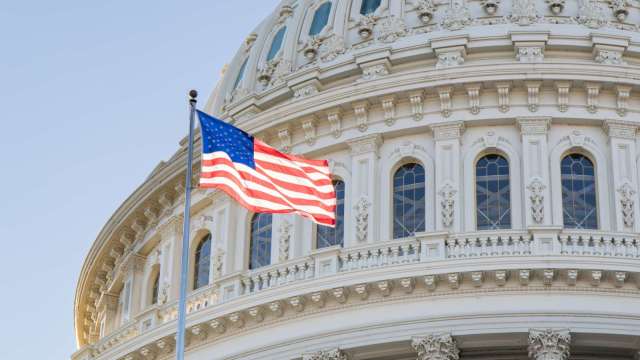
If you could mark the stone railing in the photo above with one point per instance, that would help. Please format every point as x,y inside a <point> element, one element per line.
<point>278,274</point>
<point>423,248</point>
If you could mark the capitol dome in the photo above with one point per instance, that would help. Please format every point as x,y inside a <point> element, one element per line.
<point>485,157</point>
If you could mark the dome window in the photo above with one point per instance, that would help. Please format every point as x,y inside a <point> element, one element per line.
<point>155,287</point>
<point>240,74</point>
<point>260,246</point>
<point>493,194</point>
<point>328,236</point>
<point>369,6</point>
<point>276,44</point>
<point>202,262</point>
<point>320,19</point>
<point>578,192</point>
<point>408,200</point>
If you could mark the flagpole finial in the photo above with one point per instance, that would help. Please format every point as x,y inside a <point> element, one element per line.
<point>193,94</point>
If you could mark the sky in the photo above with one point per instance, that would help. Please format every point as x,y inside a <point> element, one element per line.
<point>92,98</point>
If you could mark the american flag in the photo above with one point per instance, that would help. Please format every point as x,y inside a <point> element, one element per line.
<point>261,178</point>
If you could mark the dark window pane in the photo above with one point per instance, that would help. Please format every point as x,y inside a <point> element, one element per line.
<point>260,247</point>
<point>578,192</point>
<point>320,19</point>
<point>408,200</point>
<point>276,43</point>
<point>202,262</point>
<point>493,198</point>
<point>154,289</point>
<point>369,6</point>
<point>327,236</point>
<point>240,74</point>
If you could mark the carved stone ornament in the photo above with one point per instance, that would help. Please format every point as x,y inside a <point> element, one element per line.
<point>536,196</point>
<point>591,14</point>
<point>447,192</point>
<point>627,195</point>
<point>389,108</point>
<point>503,96</point>
<point>362,218</point>
<point>309,129</point>
<point>609,57</point>
<point>549,344</point>
<point>449,59</point>
<point>619,9</point>
<point>490,6</point>
<point>333,354</point>
<point>529,54</point>
<point>563,95</point>
<point>623,93</point>
<point>593,90</point>
<point>390,29</point>
<point>332,47</point>
<point>311,47</point>
<point>365,25</point>
<point>218,263</point>
<point>436,347</point>
<point>556,6</point>
<point>456,16</point>
<point>285,238</point>
<point>334,117</point>
<point>285,139</point>
<point>524,12</point>
<point>473,93</point>
<point>425,10</point>
<point>305,91</point>
<point>374,72</point>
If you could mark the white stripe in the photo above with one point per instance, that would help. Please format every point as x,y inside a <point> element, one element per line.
<point>266,157</point>
<point>322,172</point>
<point>270,174</point>
<point>279,191</point>
<point>266,203</point>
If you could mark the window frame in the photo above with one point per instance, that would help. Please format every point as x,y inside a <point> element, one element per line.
<point>344,217</point>
<point>394,171</point>
<point>250,237</point>
<point>479,156</point>
<point>195,263</point>
<point>591,158</point>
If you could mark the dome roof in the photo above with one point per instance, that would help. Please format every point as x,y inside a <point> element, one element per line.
<point>301,37</point>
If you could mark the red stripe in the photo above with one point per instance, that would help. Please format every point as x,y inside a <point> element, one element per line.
<point>259,146</point>
<point>294,172</point>
<point>284,184</point>
<point>264,196</point>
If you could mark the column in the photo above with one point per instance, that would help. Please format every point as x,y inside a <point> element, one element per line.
<point>448,170</point>
<point>134,272</point>
<point>549,344</point>
<point>436,347</point>
<point>170,267</point>
<point>535,160</point>
<point>364,188</point>
<point>622,147</point>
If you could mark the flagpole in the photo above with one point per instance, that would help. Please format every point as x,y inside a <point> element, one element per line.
<point>184,271</point>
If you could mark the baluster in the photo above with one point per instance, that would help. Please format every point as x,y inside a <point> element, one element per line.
<point>628,247</point>
<point>585,244</point>
<point>563,244</point>
<point>483,246</point>
<point>597,245</point>
<point>492,245</point>
<point>527,245</point>
<point>395,251</point>
<point>608,244</point>
<point>405,252</point>
<point>450,244</point>
<point>618,246</point>
<point>573,240</point>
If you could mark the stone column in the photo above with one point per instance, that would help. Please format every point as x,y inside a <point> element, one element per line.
<point>535,159</point>
<point>134,270</point>
<point>333,354</point>
<point>170,268</point>
<point>448,170</point>
<point>364,188</point>
<point>622,146</point>
<point>549,344</point>
<point>436,347</point>
<point>108,307</point>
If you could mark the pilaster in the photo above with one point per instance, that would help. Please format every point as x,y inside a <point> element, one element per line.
<point>448,175</point>
<point>365,160</point>
<point>535,156</point>
<point>549,344</point>
<point>134,270</point>
<point>622,148</point>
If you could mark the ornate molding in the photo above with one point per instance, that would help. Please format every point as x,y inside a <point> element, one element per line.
<point>451,58</point>
<point>334,117</point>
<point>530,54</point>
<point>391,28</point>
<point>284,135</point>
<point>361,112</point>
<point>627,200</point>
<point>457,15</point>
<point>362,218</point>
<point>389,108</point>
<point>533,98</point>
<point>333,354</point>
<point>448,131</point>
<point>447,194</point>
<point>608,57</point>
<point>621,129</point>
<point>285,239</point>
<point>549,344</point>
<point>365,144</point>
<point>536,196</point>
<point>445,94</point>
<point>563,88</point>
<point>534,125</point>
<point>374,72</point>
<point>524,12</point>
<point>436,347</point>
<point>309,129</point>
<point>623,92</point>
<point>591,14</point>
<point>416,100</point>
<point>503,96</point>
<point>473,94</point>
<point>593,90</point>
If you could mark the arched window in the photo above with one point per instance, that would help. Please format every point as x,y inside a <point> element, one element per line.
<point>202,262</point>
<point>493,196</point>
<point>369,6</point>
<point>578,192</point>
<point>276,43</point>
<point>408,200</point>
<point>155,287</point>
<point>327,236</point>
<point>260,247</point>
<point>320,18</point>
<point>240,74</point>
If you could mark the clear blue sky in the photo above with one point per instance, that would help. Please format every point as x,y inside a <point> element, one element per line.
<point>92,97</point>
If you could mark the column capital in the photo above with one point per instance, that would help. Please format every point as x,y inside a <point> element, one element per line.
<point>133,262</point>
<point>534,125</point>
<point>448,130</point>
<point>436,347</point>
<point>333,354</point>
<point>549,344</point>
<point>620,129</point>
<point>365,144</point>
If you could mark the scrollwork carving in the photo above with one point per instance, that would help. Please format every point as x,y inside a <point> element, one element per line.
<point>536,195</point>
<point>285,239</point>
<point>362,218</point>
<point>549,344</point>
<point>627,200</point>
<point>436,347</point>
<point>447,193</point>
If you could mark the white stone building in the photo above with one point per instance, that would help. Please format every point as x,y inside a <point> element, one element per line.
<point>486,160</point>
